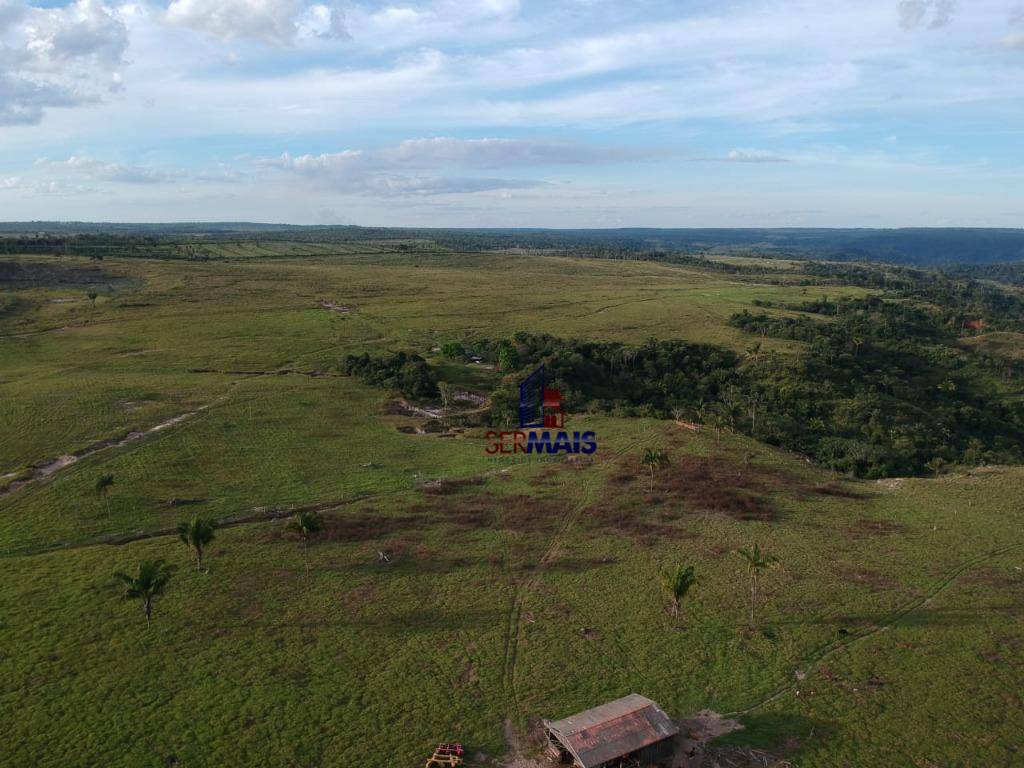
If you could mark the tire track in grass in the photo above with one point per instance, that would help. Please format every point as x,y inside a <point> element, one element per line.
<point>892,620</point>
<point>520,594</point>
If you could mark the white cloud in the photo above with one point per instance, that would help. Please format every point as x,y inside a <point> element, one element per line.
<point>85,30</point>
<point>751,73</point>
<point>385,171</point>
<point>57,57</point>
<point>1015,39</point>
<point>84,166</point>
<point>743,156</point>
<point>116,172</point>
<point>502,153</point>
<point>356,172</point>
<point>323,21</point>
<point>384,185</point>
<point>277,22</point>
<point>753,156</point>
<point>914,13</point>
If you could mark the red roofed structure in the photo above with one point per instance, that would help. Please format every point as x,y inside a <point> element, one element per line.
<point>629,731</point>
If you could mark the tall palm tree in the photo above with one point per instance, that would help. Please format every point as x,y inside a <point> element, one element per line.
<point>148,585</point>
<point>197,533</point>
<point>676,584</point>
<point>654,458</point>
<point>307,525</point>
<point>103,485</point>
<point>757,561</point>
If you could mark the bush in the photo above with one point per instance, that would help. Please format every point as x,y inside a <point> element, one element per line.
<point>404,372</point>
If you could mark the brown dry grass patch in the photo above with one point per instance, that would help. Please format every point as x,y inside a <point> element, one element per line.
<point>865,527</point>
<point>364,525</point>
<point>873,580</point>
<point>724,487</point>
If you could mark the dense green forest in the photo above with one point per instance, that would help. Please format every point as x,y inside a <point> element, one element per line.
<point>880,385</point>
<point>899,246</point>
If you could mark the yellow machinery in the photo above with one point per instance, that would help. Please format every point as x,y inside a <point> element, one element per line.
<point>446,756</point>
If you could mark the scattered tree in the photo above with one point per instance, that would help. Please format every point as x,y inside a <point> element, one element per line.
<point>453,350</point>
<point>508,358</point>
<point>447,396</point>
<point>197,533</point>
<point>92,297</point>
<point>654,458</point>
<point>148,585</point>
<point>307,525</point>
<point>676,584</point>
<point>757,560</point>
<point>103,485</point>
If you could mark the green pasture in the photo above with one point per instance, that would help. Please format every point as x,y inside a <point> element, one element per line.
<point>888,635</point>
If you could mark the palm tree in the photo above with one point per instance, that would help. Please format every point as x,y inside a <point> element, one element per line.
<point>757,561</point>
<point>676,584</point>
<point>148,585</point>
<point>197,533</point>
<point>102,488</point>
<point>654,458</point>
<point>306,524</point>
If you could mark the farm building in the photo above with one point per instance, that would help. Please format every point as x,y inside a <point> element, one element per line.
<point>631,731</point>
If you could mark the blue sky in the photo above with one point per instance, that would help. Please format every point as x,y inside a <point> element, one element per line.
<point>583,113</point>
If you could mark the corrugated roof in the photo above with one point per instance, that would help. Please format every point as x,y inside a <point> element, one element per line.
<point>614,729</point>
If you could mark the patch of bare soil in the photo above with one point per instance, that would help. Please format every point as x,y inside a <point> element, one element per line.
<point>694,485</point>
<point>836,489</point>
<point>694,750</point>
<point>358,597</point>
<point>47,468</point>
<point>694,734</point>
<point>993,577</point>
<point>447,486</point>
<point>641,525</point>
<point>20,273</point>
<point>473,404</point>
<point>518,513</point>
<point>516,757</point>
<point>873,580</point>
<point>352,526</point>
<point>865,527</point>
<point>334,306</point>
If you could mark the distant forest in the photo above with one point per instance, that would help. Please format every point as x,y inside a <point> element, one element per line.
<point>920,246</point>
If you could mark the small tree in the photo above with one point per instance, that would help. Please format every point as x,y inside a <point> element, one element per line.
<point>935,465</point>
<point>508,357</point>
<point>148,585</point>
<point>676,584</point>
<point>197,533</point>
<point>453,350</point>
<point>716,416</point>
<point>92,297</point>
<point>654,458</point>
<point>103,485</point>
<point>757,560</point>
<point>307,525</point>
<point>447,396</point>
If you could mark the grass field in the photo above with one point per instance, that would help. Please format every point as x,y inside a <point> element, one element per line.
<point>889,635</point>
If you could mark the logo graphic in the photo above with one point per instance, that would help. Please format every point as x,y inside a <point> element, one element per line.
<point>540,408</point>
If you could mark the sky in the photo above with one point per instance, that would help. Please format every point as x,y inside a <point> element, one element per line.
<point>515,113</point>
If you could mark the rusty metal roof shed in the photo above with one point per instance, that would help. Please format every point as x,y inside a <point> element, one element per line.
<point>622,727</point>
